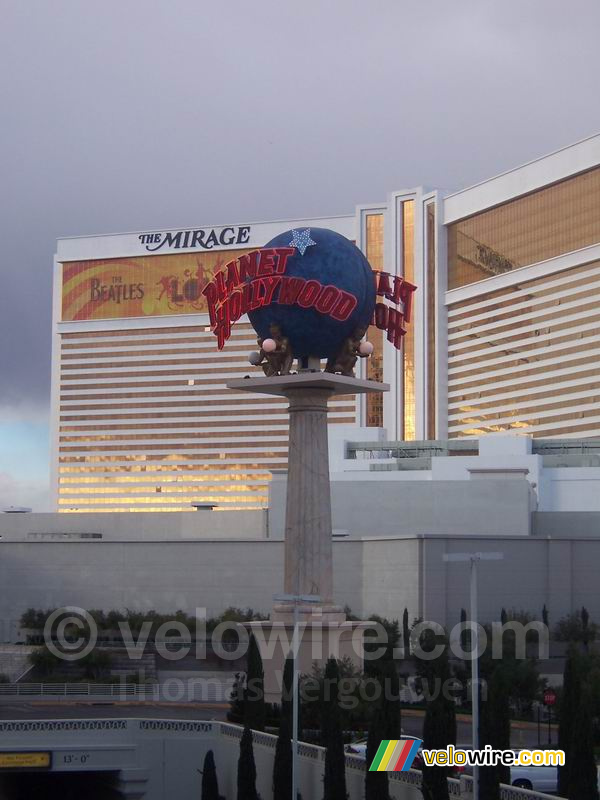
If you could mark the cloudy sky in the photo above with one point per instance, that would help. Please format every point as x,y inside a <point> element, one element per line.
<point>136,114</point>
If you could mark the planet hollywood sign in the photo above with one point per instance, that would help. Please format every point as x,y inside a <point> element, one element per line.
<point>258,279</point>
<point>400,292</point>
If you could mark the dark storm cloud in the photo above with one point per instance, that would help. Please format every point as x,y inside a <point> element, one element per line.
<point>120,116</point>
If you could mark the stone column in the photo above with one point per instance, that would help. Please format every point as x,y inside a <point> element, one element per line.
<point>308,530</point>
<point>308,564</point>
<point>308,549</point>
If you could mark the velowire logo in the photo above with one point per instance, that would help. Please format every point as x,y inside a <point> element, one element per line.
<point>395,755</point>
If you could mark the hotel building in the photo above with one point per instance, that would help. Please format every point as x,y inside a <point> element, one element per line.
<point>503,338</point>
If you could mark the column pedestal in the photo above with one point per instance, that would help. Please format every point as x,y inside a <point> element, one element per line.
<point>308,568</point>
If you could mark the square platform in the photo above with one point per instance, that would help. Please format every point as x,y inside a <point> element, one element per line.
<point>335,384</point>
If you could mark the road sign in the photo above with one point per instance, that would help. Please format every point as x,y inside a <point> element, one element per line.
<point>549,697</point>
<point>25,760</point>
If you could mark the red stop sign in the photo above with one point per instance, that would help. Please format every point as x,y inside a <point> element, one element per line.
<point>549,697</point>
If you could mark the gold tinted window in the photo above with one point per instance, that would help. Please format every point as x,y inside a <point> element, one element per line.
<point>431,295</point>
<point>374,253</point>
<point>408,351</point>
<point>527,358</point>
<point>541,225</point>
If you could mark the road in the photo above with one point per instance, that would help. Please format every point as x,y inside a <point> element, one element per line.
<point>522,734</point>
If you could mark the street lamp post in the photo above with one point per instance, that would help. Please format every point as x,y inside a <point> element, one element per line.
<point>474,559</point>
<point>296,599</point>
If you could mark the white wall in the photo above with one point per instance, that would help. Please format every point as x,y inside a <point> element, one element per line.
<point>372,575</point>
<point>394,506</point>
<point>145,526</point>
<point>165,576</point>
<point>571,489</point>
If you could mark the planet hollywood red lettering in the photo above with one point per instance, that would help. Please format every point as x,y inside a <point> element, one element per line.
<point>257,279</point>
<point>326,299</point>
<point>256,298</point>
<point>344,307</point>
<point>246,291</point>
<point>382,285</point>
<point>235,306</point>
<point>399,291</point>
<point>395,327</point>
<point>290,289</point>
<point>309,293</point>
<point>223,325</point>
<point>283,254</point>
<point>233,276</point>
<point>406,292</point>
<point>248,265</point>
<point>220,284</point>
<point>270,284</point>
<point>266,263</point>
<point>381,316</point>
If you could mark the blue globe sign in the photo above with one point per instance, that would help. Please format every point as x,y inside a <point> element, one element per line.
<point>310,294</point>
<point>327,292</point>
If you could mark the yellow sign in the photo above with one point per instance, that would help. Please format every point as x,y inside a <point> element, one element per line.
<point>145,286</point>
<point>25,760</point>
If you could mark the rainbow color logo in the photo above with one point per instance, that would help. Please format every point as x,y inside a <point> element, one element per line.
<point>395,755</point>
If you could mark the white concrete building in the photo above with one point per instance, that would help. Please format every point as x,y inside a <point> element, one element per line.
<point>538,503</point>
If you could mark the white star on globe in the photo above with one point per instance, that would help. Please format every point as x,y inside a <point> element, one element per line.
<point>301,240</point>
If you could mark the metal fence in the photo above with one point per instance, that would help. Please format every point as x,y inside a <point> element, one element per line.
<point>181,690</point>
<point>68,689</point>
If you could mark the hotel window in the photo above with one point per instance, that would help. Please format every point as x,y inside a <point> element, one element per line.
<point>549,222</point>
<point>527,358</point>
<point>374,253</point>
<point>431,295</point>
<point>408,346</point>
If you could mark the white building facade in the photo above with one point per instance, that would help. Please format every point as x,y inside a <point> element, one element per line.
<point>142,419</point>
<point>503,338</point>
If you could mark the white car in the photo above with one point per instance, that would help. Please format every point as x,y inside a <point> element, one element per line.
<point>358,748</point>
<point>540,779</point>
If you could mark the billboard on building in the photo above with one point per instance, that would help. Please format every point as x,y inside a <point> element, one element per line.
<point>143,286</point>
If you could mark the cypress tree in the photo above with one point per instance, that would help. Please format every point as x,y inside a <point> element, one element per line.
<point>254,693</point>
<point>282,767</point>
<point>568,717</point>
<point>495,731</point>
<point>503,616</point>
<point>406,633</point>
<point>545,615</point>
<point>376,783</point>
<point>391,702</point>
<point>464,634</point>
<point>583,775</point>
<point>385,724</point>
<point>439,725</point>
<point>578,777</point>
<point>585,630</point>
<point>246,773</point>
<point>334,781</point>
<point>210,785</point>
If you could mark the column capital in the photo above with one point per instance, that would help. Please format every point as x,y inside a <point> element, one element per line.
<point>280,385</point>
